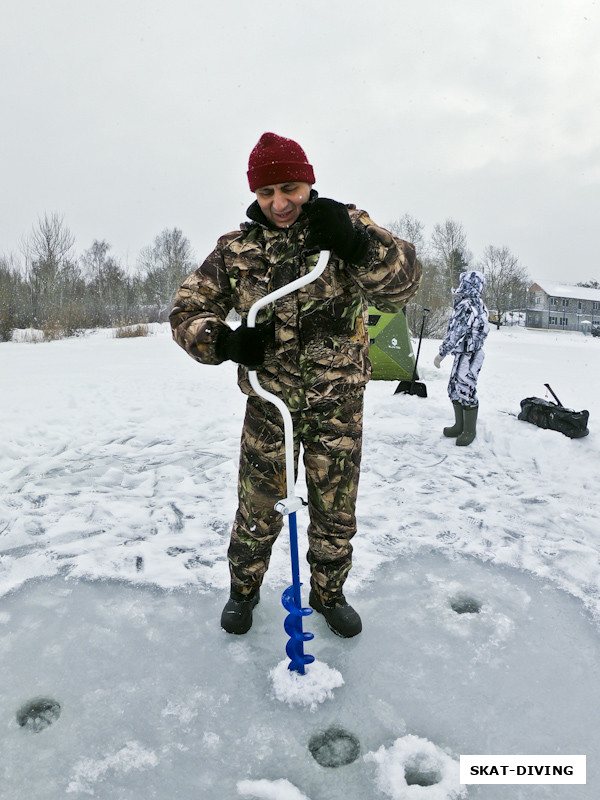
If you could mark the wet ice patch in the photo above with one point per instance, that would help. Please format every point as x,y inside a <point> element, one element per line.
<point>416,768</point>
<point>315,686</point>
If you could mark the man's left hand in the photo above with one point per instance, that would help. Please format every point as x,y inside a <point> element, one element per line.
<point>330,228</point>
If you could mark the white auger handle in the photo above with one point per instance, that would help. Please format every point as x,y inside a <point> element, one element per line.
<point>288,503</point>
<point>288,288</point>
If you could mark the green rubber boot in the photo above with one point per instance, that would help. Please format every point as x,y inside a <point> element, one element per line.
<point>470,426</point>
<point>457,428</point>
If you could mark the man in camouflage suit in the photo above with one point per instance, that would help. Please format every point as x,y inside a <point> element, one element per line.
<point>311,349</point>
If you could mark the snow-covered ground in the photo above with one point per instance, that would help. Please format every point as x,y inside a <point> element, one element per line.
<point>117,492</point>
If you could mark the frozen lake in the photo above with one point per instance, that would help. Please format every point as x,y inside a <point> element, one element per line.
<point>117,493</point>
<point>156,701</point>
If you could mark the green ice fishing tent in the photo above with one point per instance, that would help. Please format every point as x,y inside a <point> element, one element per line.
<point>391,350</point>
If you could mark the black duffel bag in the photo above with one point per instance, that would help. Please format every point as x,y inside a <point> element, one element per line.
<point>554,416</point>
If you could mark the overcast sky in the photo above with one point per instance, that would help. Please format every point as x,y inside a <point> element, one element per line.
<point>126,117</point>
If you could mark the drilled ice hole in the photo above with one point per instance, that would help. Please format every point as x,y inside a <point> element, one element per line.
<point>422,770</point>
<point>334,747</point>
<point>465,604</point>
<point>38,714</point>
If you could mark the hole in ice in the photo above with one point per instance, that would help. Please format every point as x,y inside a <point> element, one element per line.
<point>334,747</point>
<point>38,714</point>
<point>422,770</point>
<point>465,604</point>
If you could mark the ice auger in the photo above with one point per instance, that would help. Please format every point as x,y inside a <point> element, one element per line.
<point>289,505</point>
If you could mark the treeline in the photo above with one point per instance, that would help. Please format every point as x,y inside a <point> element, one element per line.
<point>589,284</point>
<point>57,291</point>
<point>443,256</point>
<point>61,293</point>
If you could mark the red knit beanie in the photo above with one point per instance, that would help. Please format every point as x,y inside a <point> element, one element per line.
<point>277,160</point>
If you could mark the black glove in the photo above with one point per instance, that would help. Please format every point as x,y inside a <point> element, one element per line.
<point>330,228</point>
<point>243,345</point>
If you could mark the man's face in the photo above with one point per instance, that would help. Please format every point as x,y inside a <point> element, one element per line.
<point>281,203</point>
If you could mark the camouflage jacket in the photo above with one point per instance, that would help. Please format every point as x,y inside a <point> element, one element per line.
<point>318,350</point>
<point>468,325</point>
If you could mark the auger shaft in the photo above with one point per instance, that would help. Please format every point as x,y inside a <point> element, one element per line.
<point>291,597</point>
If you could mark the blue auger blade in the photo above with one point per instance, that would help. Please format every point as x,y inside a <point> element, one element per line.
<point>294,646</point>
<point>288,602</point>
<point>293,627</point>
<point>298,659</point>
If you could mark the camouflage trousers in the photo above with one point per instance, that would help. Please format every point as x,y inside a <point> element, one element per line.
<point>462,386</point>
<point>331,439</point>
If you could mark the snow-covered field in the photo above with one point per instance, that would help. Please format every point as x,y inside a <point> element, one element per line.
<point>117,492</point>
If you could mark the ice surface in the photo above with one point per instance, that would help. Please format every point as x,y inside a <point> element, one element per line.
<point>477,575</point>
<point>156,700</point>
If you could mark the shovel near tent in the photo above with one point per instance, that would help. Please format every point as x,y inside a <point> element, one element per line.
<point>413,386</point>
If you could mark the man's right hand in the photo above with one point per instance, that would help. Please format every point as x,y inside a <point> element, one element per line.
<point>243,345</point>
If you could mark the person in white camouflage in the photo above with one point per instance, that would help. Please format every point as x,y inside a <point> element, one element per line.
<point>310,348</point>
<point>468,328</point>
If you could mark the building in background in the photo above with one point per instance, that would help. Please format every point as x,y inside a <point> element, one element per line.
<point>560,306</point>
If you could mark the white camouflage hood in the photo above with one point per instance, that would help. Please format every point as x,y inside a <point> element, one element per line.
<point>471,284</point>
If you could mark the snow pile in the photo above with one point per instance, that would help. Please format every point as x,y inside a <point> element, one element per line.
<point>315,686</point>
<point>415,768</point>
<point>270,790</point>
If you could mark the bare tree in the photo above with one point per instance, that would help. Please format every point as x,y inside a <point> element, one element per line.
<point>449,248</point>
<point>506,281</point>
<point>432,296</point>
<point>53,276</point>
<point>109,298</point>
<point>50,241</point>
<point>163,268</point>
<point>411,230</point>
<point>441,258</point>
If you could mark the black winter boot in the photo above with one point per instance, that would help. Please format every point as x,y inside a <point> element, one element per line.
<point>341,618</point>
<point>457,428</point>
<point>470,426</point>
<point>237,614</point>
